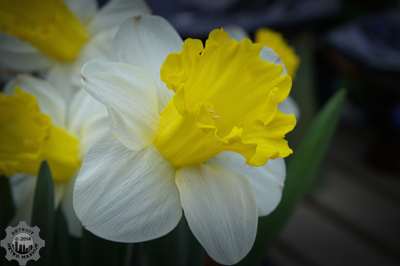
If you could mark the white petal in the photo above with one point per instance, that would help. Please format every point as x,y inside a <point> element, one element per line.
<point>267,181</point>
<point>87,119</point>
<point>289,106</point>
<point>74,225</point>
<point>236,32</point>
<point>49,98</point>
<point>220,208</point>
<point>145,42</point>
<point>23,188</point>
<point>59,190</point>
<point>130,98</point>
<point>115,12</point>
<point>84,9</point>
<point>126,196</point>
<point>20,56</point>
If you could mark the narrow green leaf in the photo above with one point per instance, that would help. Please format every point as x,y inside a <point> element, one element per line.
<point>301,175</point>
<point>62,249</point>
<point>6,203</point>
<point>43,213</point>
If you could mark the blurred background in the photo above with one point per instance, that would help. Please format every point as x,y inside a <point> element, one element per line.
<point>352,216</point>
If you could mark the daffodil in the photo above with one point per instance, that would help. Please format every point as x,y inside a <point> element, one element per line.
<point>38,123</point>
<point>59,35</point>
<point>196,129</point>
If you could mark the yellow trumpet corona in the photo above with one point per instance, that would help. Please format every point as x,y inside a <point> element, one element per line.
<point>226,99</point>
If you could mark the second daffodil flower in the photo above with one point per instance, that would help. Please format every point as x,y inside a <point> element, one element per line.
<point>206,139</point>
<point>38,123</point>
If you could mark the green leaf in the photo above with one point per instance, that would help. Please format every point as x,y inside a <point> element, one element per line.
<point>43,213</point>
<point>301,175</point>
<point>62,242</point>
<point>7,211</point>
<point>6,203</point>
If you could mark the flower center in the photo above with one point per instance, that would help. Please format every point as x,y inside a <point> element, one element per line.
<point>27,137</point>
<point>47,24</point>
<point>226,99</point>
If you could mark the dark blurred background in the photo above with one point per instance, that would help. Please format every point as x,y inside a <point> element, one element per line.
<point>353,215</point>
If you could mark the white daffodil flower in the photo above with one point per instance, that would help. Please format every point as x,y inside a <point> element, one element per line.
<point>206,138</point>
<point>38,123</point>
<point>280,52</point>
<point>58,36</point>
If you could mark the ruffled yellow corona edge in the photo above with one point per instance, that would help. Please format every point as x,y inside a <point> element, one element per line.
<point>226,99</point>
<point>27,137</point>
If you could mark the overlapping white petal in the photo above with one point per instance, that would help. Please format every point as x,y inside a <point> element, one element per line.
<point>220,208</point>
<point>130,97</point>
<point>124,195</point>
